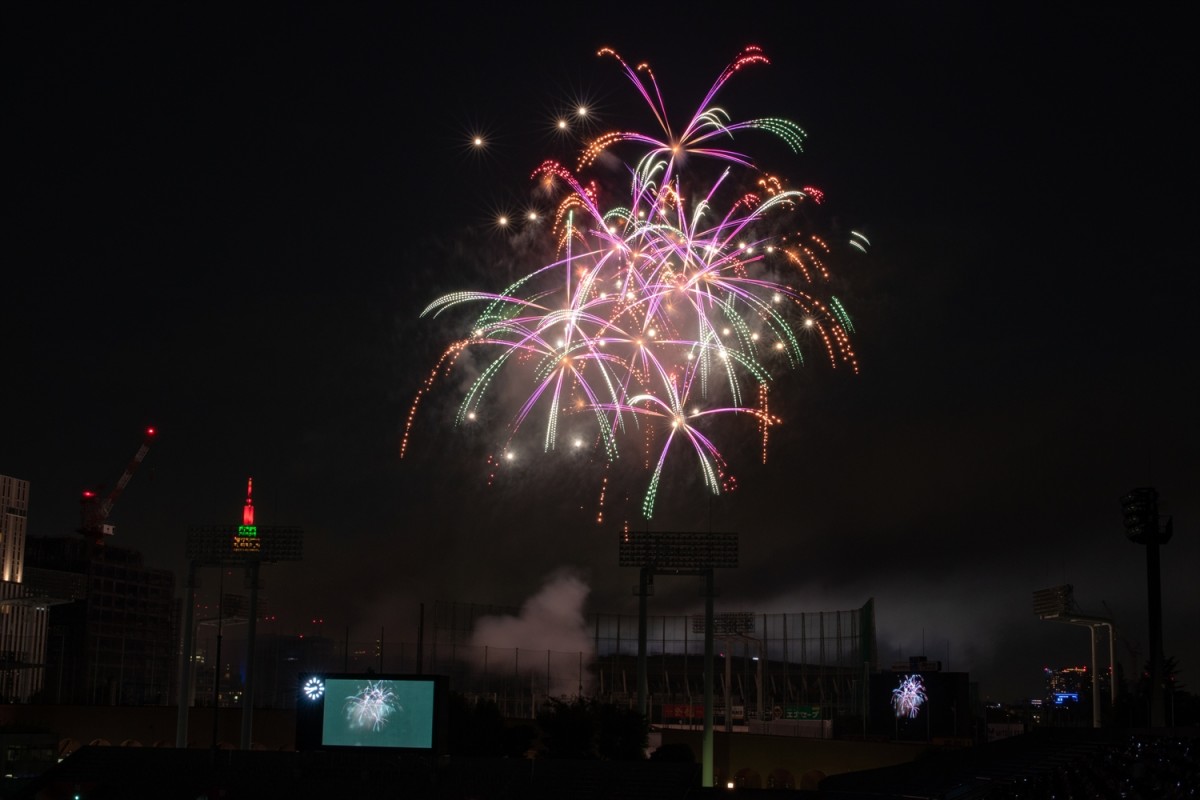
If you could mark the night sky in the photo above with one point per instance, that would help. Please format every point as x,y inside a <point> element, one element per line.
<point>224,221</point>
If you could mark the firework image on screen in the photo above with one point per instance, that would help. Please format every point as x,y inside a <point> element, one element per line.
<point>372,706</point>
<point>909,696</point>
<point>675,295</point>
<point>378,713</point>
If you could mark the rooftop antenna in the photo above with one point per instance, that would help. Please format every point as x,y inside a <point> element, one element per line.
<point>248,509</point>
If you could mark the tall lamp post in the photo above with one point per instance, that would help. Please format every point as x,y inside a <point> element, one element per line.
<point>1140,509</point>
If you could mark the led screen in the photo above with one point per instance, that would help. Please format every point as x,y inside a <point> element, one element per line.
<point>918,706</point>
<point>364,712</point>
<point>390,712</point>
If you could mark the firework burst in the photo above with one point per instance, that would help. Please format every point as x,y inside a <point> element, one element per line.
<point>372,706</point>
<point>665,309</point>
<point>909,696</point>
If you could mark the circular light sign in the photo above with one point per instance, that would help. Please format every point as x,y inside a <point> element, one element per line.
<point>314,687</point>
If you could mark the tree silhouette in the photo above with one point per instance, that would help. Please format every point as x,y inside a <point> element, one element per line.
<point>588,729</point>
<point>479,729</point>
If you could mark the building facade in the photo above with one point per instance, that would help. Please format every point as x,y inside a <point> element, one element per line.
<point>112,639</point>
<point>23,613</point>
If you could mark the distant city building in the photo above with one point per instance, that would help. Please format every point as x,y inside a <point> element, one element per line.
<point>23,614</point>
<point>114,638</point>
<point>282,658</point>
<point>1068,686</point>
<point>220,632</point>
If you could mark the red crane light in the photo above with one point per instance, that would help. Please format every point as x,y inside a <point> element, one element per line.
<point>95,511</point>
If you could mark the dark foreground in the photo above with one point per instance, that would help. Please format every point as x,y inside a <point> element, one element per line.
<point>1038,766</point>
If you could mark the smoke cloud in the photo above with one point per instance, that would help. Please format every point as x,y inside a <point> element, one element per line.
<point>548,640</point>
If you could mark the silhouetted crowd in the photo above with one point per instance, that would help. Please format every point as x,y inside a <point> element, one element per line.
<point>1139,768</point>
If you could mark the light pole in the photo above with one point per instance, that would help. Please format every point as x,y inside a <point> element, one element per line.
<point>680,553</point>
<point>229,546</point>
<point>1058,603</point>
<point>1140,510</point>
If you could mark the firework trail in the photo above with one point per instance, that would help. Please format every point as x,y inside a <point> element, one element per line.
<point>665,309</point>
<point>372,706</point>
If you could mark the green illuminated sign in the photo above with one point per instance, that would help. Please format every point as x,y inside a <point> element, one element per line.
<point>801,712</point>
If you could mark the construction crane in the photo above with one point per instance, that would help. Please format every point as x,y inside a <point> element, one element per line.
<point>94,511</point>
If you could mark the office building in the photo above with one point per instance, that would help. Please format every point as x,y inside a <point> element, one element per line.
<point>23,613</point>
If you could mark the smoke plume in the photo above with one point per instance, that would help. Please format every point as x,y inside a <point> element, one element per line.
<point>548,640</point>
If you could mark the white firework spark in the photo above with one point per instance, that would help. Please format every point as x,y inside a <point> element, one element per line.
<point>372,706</point>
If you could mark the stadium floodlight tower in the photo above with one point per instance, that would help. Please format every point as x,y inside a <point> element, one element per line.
<point>676,553</point>
<point>1058,604</point>
<point>246,546</point>
<point>1142,526</point>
